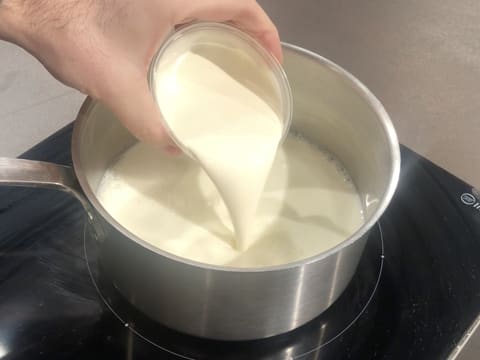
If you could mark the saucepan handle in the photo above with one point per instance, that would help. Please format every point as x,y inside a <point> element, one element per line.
<point>40,174</point>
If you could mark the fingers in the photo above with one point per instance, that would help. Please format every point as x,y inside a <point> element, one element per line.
<point>256,22</point>
<point>244,14</point>
<point>127,94</point>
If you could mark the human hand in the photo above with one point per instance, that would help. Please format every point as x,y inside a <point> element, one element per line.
<point>104,47</point>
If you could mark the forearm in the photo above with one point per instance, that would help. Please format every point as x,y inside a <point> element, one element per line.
<point>21,21</point>
<point>7,26</point>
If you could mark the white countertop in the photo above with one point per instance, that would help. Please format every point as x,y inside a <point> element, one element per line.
<point>33,105</point>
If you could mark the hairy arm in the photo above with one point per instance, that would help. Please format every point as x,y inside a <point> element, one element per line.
<point>8,25</point>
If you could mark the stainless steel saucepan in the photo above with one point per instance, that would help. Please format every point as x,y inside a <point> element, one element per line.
<point>332,109</point>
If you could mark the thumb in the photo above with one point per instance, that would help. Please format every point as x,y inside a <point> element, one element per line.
<point>130,99</point>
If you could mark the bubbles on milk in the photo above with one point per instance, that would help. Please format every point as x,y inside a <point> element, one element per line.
<point>298,136</point>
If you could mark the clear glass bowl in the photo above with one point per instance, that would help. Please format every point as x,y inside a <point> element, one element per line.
<point>232,50</point>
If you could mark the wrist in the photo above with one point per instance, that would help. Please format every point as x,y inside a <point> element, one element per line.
<point>11,22</point>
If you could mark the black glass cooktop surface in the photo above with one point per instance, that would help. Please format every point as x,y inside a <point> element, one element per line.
<point>414,295</point>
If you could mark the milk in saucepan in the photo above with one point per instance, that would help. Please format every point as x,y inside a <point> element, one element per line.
<point>309,205</point>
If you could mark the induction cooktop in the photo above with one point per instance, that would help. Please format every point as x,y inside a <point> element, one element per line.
<point>415,295</point>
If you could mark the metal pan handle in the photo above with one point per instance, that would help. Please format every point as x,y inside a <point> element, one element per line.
<point>40,174</point>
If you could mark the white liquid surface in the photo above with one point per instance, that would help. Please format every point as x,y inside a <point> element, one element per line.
<point>229,129</point>
<point>308,206</point>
